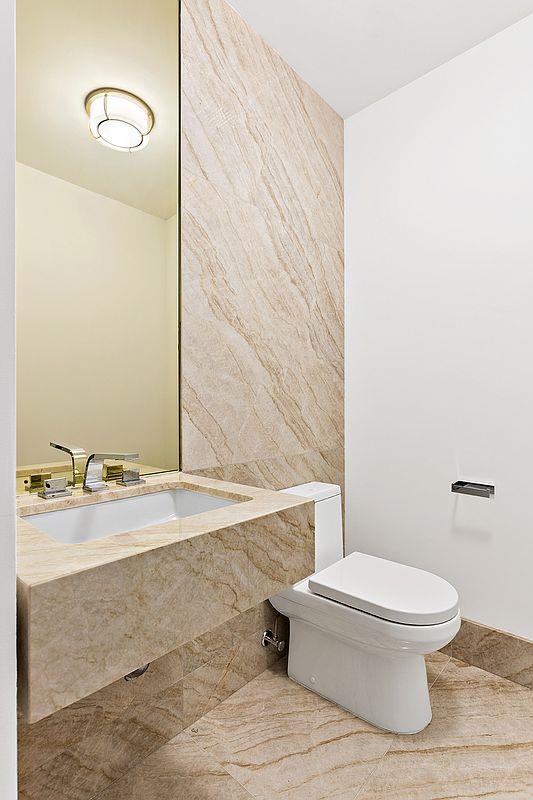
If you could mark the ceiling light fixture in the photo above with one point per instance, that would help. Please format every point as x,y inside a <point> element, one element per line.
<point>119,119</point>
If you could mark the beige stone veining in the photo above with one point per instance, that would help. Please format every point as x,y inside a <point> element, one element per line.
<point>262,255</point>
<point>283,470</point>
<point>92,612</point>
<point>83,748</point>
<point>479,744</point>
<point>495,651</point>
<point>254,128</point>
<point>275,739</point>
<point>41,558</point>
<point>179,770</point>
<point>242,110</point>
<point>290,381</point>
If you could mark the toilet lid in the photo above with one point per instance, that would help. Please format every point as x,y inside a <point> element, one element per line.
<point>388,590</point>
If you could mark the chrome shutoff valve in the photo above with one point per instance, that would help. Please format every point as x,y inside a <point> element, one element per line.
<point>270,639</point>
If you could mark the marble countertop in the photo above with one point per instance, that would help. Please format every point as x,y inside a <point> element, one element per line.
<point>41,559</point>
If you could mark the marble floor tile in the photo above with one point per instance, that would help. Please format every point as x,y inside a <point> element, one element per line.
<point>281,741</point>
<point>178,771</point>
<point>275,740</point>
<point>46,739</point>
<point>478,745</point>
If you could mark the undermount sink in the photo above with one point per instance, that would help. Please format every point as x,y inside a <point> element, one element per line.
<point>101,519</point>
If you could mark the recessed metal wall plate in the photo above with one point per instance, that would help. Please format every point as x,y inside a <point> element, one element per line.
<point>475,489</point>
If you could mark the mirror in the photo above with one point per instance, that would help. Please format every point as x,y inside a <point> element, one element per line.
<point>97,267</point>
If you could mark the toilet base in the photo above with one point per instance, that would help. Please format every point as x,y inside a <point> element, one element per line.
<point>385,688</point>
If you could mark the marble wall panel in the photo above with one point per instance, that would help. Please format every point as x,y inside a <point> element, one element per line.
<point>501,653</point>
<point>285,470</point>
<point>254,128</point>
<point>262,257</point>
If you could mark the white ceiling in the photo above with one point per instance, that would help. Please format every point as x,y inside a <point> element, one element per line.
<point>354,52</point>
<point>66,48</point>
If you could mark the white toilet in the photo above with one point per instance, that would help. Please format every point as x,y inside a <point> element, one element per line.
<point>360,626</point>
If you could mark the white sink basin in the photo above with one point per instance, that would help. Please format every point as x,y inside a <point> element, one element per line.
<point>98,520</point>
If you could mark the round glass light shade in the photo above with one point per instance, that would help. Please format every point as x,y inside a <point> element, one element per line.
<point>119,119</point>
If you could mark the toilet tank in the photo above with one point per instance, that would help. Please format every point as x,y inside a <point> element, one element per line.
<point>328,520</point>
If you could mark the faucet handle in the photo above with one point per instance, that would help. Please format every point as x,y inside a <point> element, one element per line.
<point>93,479</point>
<point>54,487</point>
<point>131,477</point>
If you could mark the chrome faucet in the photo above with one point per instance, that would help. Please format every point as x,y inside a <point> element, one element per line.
<point>78,456</point>
<point>94,470</point>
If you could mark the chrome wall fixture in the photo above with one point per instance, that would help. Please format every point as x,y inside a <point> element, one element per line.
<point>269,639</point>
<point>475,489</point>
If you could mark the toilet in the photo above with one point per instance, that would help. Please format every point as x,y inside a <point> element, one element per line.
<point>360,626</point>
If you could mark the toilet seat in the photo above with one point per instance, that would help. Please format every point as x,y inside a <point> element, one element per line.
<point>388,590</point>
<point>299,602</point>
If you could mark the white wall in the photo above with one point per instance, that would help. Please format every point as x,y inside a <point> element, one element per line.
<point>96,323</point>
<point>439,337</point>
<point>8,770</point>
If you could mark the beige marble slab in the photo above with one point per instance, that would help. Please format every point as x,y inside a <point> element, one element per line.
<point>262,311</point>
<point>262,252</point>
<point>93,612</point>
<point>479,744</point>
<point>178,770</point>
<point>285,470</point>
<point>41,558</point>
<point>280,740</point>
<point>277,740</point>
<point>80,750</point>
<point>495,651</point>
<point>253,128</point>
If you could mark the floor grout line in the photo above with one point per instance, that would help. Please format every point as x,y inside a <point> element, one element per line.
<point>441,671</point>
<point>200,747</point>
<point>372,772</point>
<point>215,758</point>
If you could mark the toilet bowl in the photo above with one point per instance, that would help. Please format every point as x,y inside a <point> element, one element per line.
<point>360,626</point>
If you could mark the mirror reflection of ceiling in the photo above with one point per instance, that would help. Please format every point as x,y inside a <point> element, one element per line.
<point>65,49</point>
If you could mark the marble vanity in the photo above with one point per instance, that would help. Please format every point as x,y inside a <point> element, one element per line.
<point>94,611</point>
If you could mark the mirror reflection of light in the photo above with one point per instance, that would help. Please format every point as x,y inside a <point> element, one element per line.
<point>119,119</point>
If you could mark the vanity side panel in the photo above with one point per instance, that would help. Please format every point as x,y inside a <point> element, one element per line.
<point>89,629</point>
